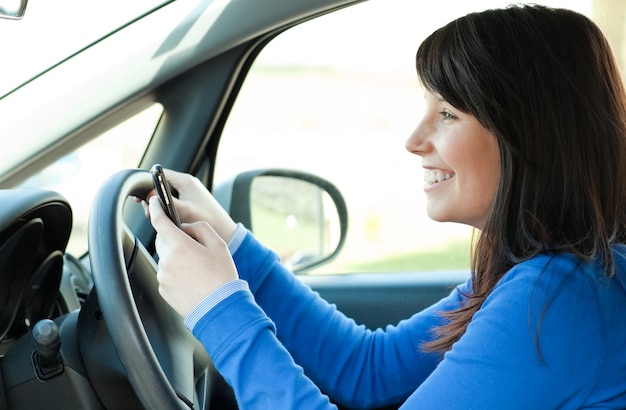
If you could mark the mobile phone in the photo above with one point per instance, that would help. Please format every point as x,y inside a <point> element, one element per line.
<point>163,190</point>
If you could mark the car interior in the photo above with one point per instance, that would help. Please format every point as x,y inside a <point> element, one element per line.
<point>292,113</point>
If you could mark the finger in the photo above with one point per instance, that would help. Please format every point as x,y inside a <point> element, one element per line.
<point>175,178</point>
<point>146,210</point>
<point>201,232</point>
<point>144,198</point>
<point>170,174</point>
<point>179,182</point>
<point>160,221</point>
<point>204,234</point>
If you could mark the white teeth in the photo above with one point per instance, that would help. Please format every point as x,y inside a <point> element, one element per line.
<point>432,177</point>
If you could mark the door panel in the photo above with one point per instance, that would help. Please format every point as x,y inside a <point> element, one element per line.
<point>378,300</point>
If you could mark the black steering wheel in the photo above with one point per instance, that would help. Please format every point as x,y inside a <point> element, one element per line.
<point>165,365</point>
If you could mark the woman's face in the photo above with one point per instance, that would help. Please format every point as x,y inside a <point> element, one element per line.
<point>461,163</point>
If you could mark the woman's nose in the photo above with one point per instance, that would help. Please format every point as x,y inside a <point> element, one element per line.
<point>418,141</point>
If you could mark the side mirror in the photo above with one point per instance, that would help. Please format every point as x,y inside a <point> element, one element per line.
<point>300,216</point>
<point>12,9</point>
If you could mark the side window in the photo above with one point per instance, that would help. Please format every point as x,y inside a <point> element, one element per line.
<point>79,174</point>
<point>340,103</point>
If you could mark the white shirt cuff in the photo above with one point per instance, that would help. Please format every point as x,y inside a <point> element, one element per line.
<point>237,239</point>
<point>213,299</point>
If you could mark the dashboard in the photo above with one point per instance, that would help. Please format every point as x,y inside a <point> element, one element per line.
<point>34,230</point>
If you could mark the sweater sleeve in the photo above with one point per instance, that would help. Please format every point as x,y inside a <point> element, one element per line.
<point>538,341</point>
<point>240,339</point>
<point>352,364</point>
<point>535,343</point>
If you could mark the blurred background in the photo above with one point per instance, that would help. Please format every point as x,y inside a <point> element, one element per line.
<point>336,96</point>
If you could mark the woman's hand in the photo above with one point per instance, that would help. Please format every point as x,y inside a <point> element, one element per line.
<point>195,203</point>
<point>193,262</point>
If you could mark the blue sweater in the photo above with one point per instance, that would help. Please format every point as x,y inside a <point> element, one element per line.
<point>552,334</point>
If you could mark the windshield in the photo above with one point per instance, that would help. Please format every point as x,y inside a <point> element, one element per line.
<point>52,30</point>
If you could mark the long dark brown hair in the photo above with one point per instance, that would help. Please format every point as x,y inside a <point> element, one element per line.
<point>544,81</point>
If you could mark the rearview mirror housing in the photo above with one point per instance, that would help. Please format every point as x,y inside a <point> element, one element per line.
<point>300,216</point>
<point>12,9</point>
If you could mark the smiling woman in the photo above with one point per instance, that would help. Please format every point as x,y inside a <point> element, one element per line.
<point>351,97</point>
<point>526,111</point>
<point>461,159</point>
<point>306,101</point>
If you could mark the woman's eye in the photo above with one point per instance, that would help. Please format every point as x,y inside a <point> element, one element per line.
<point>446,115</point>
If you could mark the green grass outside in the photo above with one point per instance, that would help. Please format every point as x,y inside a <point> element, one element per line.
<point>455,255</point>
<point>270,228</point>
